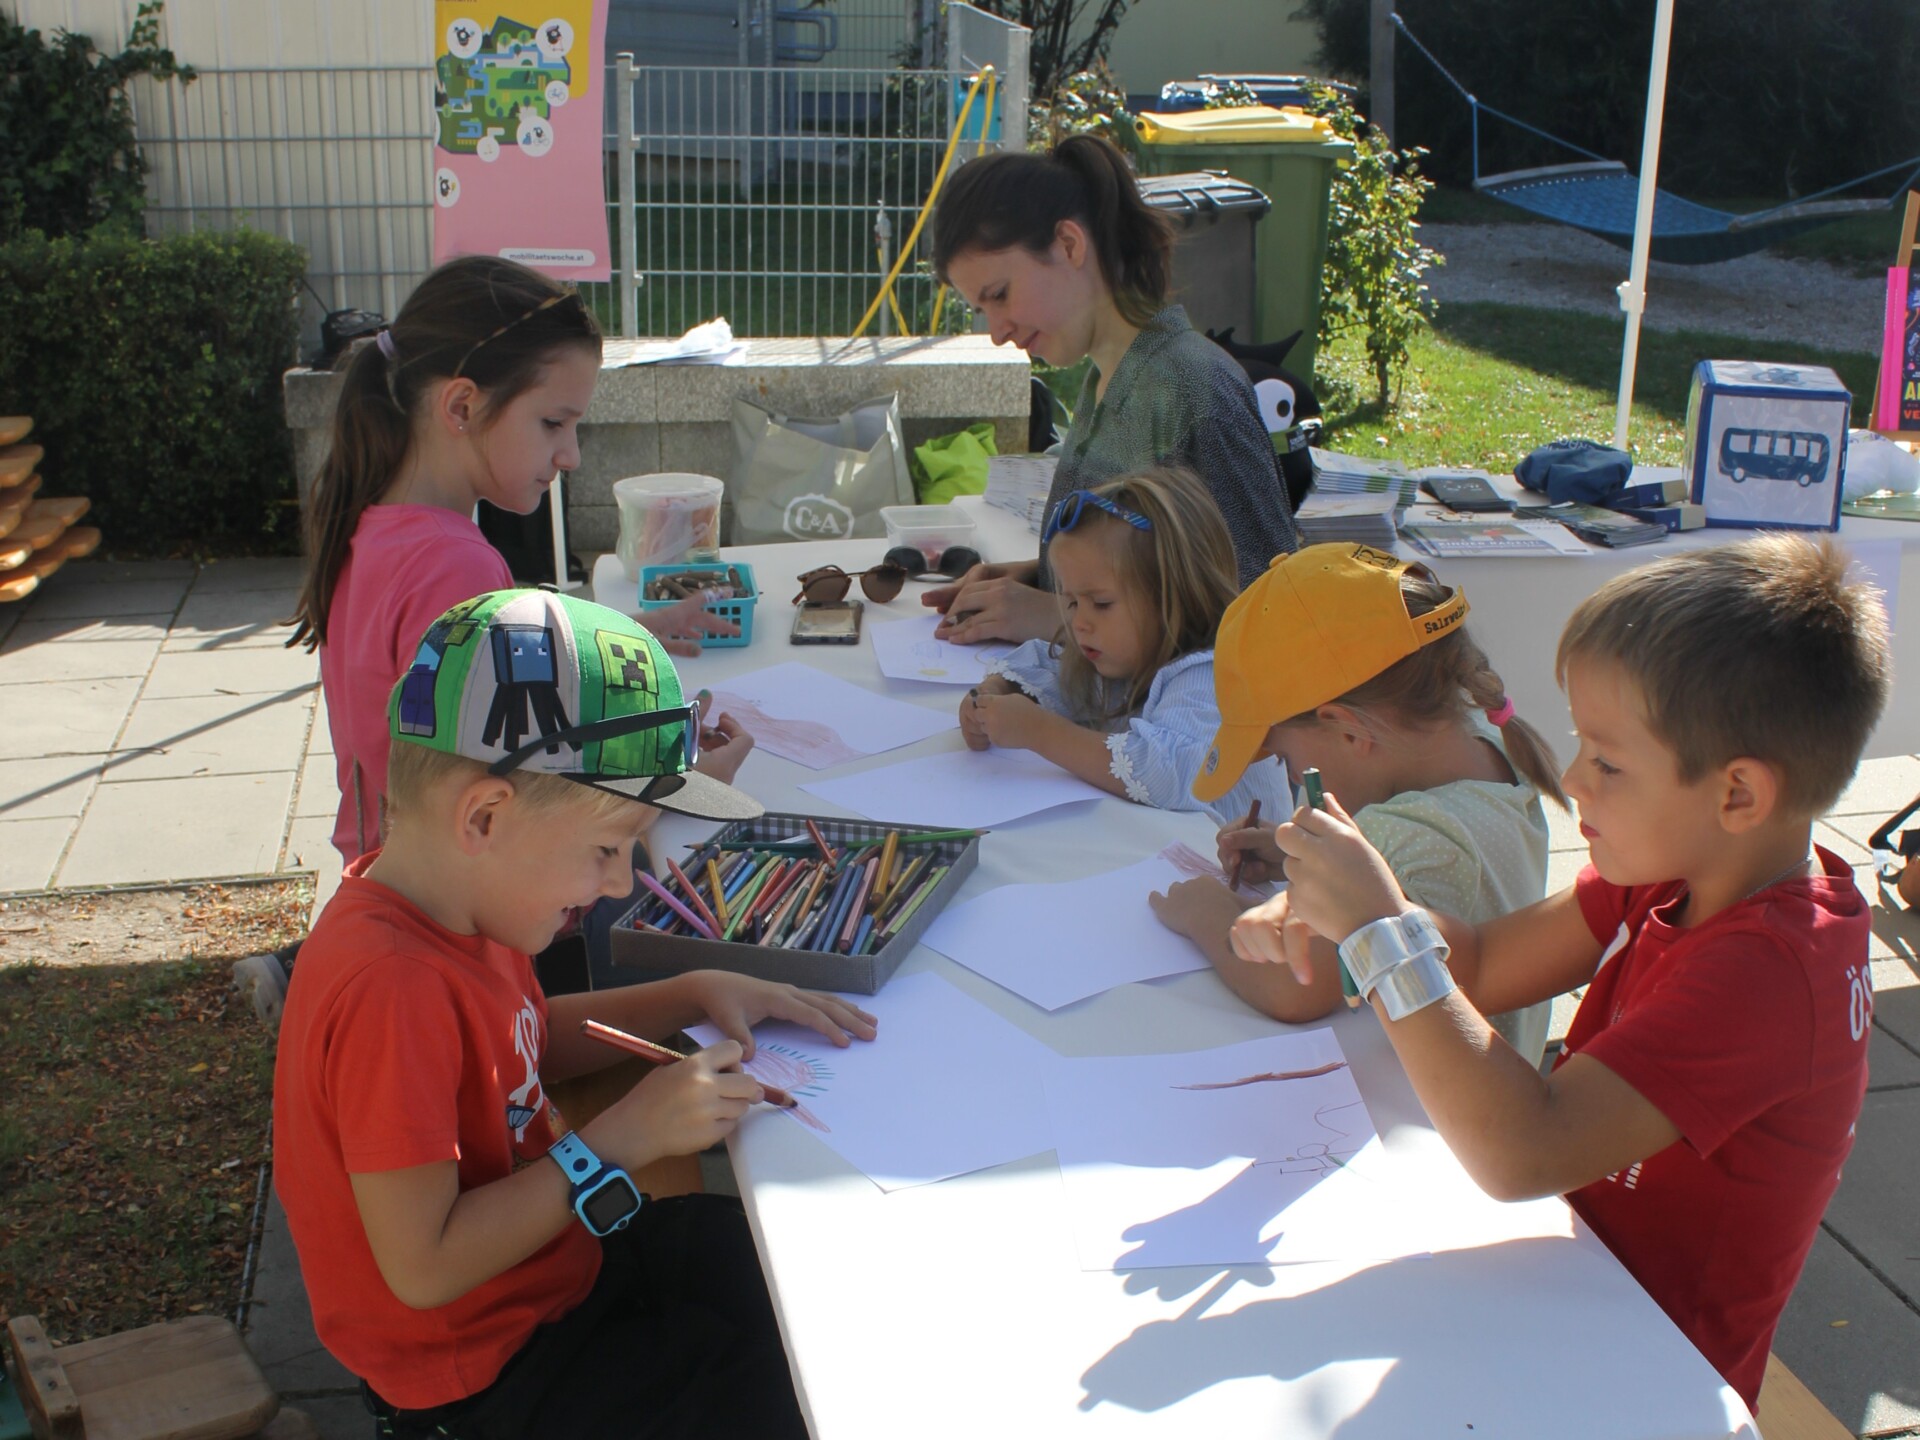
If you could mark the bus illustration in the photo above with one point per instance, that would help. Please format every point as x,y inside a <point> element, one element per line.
<point>1797,455</point>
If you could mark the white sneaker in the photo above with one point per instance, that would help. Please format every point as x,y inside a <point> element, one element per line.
<point>262,979</point>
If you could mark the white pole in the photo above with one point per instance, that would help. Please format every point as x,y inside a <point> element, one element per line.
<point>1633,294</point>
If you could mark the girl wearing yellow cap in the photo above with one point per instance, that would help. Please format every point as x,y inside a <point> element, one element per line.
<point>1351,661</point>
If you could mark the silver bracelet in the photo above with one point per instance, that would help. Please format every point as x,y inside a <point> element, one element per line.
<point>1415,984</point>
<point>1384,944</point>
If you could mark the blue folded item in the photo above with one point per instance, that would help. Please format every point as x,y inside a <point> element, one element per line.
<point>1582,470</point>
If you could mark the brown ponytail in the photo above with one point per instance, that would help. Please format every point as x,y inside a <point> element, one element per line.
<point>1439,683</point>
<point>488,320</point>
<point>1016,198</point>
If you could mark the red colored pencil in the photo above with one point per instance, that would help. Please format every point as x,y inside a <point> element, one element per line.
<point>820,839</point>
<point>661,1055</point>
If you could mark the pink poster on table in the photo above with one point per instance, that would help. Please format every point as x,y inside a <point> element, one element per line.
<point>518,157</point>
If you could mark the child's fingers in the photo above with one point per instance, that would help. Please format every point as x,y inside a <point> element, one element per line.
<point>1296,943</point>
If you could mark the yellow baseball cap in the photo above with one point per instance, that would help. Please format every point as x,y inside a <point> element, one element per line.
<point>1318,624</point>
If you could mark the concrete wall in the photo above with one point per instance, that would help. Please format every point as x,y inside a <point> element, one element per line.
<point>679,418</point>
<point>1162,40</point>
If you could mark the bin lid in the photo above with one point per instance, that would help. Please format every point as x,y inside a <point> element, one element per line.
<point>1201,197</point>
<point>1235,125</point>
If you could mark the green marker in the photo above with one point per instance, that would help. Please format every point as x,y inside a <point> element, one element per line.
<point>1317,799</point>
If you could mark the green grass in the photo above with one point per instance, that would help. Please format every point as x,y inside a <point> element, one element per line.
<point>1492,382</point>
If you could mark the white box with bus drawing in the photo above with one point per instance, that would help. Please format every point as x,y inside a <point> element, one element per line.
<point>1766,444</point>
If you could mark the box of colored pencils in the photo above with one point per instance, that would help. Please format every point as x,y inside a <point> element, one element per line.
<point>826,904</point>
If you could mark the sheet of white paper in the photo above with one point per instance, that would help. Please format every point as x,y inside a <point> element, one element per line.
<point>1258,1153</point>
<point>959,789</point>
<point>1055,944</point>
<point>816,719</point>
<point>946,1088</point>
<point>907,650</point>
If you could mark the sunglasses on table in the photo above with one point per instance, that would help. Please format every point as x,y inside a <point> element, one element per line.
<point>1073,509</point>
<point>881,583</point>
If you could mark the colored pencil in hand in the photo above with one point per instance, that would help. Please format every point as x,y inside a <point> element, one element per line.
<point>1240,856</point>
<point>661,1055</point>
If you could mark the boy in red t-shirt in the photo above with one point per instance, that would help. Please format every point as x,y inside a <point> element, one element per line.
<point>485,1271</point>
<point>1700,1112</point>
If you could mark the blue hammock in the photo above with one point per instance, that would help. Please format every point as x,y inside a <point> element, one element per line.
<point>1601,197</point>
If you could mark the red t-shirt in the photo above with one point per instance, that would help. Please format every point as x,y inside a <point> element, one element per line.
<point>406,565</point>
<point>1749,1033</point>
<point>403,1044</point>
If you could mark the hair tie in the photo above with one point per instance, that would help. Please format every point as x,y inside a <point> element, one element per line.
<point>385,341</point>
<point>1499,715</point>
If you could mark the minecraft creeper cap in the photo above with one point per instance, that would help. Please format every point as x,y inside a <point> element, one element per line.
<point>1319,623</point>
<point>532,680</point>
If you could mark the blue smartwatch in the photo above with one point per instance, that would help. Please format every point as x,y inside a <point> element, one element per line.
<point>602,1195</point>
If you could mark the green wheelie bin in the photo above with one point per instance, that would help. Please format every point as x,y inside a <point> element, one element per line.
<point>1289,156</point>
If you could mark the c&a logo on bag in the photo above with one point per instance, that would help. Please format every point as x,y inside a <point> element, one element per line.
<point>816,517</point>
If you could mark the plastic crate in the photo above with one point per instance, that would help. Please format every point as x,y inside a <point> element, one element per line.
<point>739,611</point>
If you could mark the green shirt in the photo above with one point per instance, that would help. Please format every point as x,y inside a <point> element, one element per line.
<point>1176,397</point>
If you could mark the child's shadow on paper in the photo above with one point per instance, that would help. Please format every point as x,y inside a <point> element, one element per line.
<point>1230,1221</point>
<point>1436,1387</point>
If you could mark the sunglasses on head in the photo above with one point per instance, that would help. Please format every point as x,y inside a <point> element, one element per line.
<point>687,717</point>
<point>1073,509</point>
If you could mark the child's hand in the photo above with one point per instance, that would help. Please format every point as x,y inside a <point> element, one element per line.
<point>1197,907</point>
<point>678,1109</point>
<point>990,603</point>
<point>724,747</point>
<point>1260,857</point>
<point>941,597</point>
<point>1271,934</point>
<point>680,626</point>
<point>1339,881</point>
<point>1005,720</point>
<point>973,720</point>
<point>736,1003</point>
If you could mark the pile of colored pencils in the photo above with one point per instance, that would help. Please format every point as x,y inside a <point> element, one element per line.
<point>799,894</point>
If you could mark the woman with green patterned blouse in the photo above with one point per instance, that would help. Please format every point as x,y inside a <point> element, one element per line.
<point>1068,262</point>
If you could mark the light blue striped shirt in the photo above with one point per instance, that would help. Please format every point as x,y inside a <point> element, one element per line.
<point>1157,753</point>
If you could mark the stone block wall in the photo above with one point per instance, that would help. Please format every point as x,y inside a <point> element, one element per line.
<point>650,418</point>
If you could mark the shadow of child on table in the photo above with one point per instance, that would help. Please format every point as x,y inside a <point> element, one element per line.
<point>1594,1337</point>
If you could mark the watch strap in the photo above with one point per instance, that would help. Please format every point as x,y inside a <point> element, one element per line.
<point>576,1160</point>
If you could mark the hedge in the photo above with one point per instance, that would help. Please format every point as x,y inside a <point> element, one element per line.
<point>152,370</point>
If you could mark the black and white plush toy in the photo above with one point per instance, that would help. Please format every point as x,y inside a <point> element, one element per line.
<point>1287,404</point>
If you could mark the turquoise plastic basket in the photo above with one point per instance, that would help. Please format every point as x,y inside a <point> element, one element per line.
<point>739,611</point>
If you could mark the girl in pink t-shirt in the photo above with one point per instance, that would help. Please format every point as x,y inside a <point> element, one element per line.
<point>475,392</point>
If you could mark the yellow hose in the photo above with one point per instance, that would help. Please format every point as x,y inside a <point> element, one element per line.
<point>939,179</point>
<point>940,295</point>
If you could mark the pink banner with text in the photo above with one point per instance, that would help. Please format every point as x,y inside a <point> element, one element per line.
<point>518,155</point>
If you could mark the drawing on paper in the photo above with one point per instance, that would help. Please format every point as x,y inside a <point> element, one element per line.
<point>1320,1157</point>
<point>936,658</point>
<point>1327,1069</point>
<point>805,742</point>
<point>1192,865</point>
<point>794,1071</point>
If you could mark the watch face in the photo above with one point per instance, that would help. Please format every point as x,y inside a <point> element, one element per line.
<point>610,1204</point>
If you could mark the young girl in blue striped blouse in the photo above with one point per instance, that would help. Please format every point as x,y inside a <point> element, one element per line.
<point>1123,696</point>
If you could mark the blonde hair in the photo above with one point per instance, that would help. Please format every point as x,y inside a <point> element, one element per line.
<point>1759,648</point>
<point>414,770</point>
<point>1438,684</point>
<point>1181,573</point>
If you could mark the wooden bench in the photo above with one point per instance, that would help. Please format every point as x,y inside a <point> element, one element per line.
<point>1789,1411</point>
<point>191,1379</point>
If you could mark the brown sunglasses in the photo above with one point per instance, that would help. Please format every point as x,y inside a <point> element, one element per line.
<point>830,583</point>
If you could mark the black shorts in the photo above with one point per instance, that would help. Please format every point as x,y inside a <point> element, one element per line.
<point>676,1339</point>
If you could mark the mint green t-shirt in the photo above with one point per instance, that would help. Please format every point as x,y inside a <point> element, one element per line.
<point>1474,849</point>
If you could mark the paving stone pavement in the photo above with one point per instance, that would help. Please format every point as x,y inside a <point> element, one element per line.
<point>153,729</point>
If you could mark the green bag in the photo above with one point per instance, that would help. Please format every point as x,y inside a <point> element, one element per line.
<point>950,465</point>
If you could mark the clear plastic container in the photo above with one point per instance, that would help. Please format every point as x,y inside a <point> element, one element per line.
<point>930,529</point>
<point>665,519</point>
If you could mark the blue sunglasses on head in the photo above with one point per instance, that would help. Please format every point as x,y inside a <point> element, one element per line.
<point>1073,509</point>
